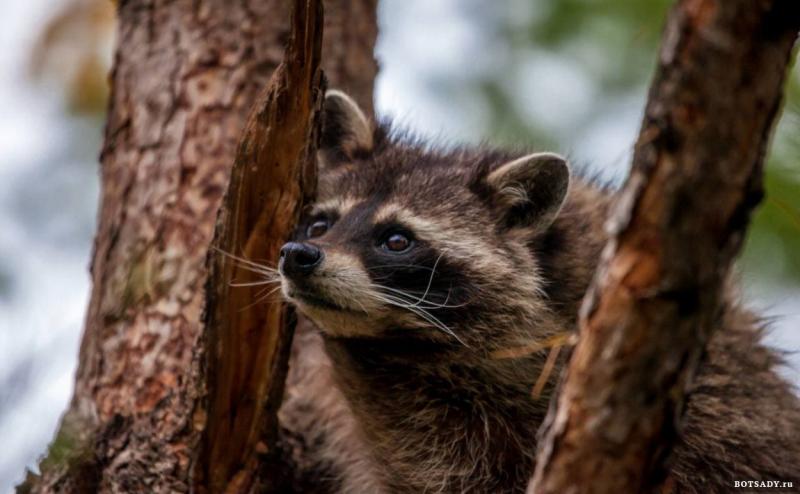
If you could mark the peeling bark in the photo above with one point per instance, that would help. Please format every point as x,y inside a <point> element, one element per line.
<point>250,333</point>
<point>680,221</point>
<point>186,74</point>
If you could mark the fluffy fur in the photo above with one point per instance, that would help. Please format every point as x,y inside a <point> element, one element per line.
<point>401,391</point>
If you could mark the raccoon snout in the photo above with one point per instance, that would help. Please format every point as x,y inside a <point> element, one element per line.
<point>299,259</point>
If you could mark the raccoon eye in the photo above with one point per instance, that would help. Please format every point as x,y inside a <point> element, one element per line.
<point>397,242</point>
<point>317,228</point>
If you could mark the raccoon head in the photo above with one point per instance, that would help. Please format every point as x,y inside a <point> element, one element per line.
<point>407,241</point>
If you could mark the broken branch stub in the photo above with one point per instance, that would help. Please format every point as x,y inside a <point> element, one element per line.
<point>250,330</point>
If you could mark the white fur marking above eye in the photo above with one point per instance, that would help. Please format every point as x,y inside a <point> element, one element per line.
<point>339,205</point>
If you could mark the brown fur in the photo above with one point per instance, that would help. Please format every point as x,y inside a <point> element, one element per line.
<point>395,406</point>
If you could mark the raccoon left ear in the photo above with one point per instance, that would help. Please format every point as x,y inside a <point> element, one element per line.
<point>345,128</point>
<point>531,189</point>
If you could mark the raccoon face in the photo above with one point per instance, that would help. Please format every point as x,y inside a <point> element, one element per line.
<point>405,241</point>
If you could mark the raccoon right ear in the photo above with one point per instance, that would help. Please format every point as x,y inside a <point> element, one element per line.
<point>345,129</point>
<point>531,190</point>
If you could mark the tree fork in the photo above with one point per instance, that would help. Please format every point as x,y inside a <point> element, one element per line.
<point>677,226</point>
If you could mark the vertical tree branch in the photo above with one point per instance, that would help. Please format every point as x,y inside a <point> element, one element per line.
<point>250,333</point>
<point>680,221</point>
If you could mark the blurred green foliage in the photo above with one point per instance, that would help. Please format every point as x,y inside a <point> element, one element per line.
<point>774,243</point>
<point>615,44</point>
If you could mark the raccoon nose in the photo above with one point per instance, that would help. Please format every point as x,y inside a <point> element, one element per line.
<point>299,258</point>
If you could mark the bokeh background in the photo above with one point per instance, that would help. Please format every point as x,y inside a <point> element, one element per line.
<point>565,75</point>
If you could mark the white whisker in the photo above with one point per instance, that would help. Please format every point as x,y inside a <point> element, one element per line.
<point>261,299</point>
<point>256,283</point>
<point>430,280</point>
<point>413,300</point>
<point>247,263</point>
<point>419,311</point>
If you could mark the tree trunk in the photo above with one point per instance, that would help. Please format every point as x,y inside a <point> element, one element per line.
<point>185,77</point>
<point>679,223</point>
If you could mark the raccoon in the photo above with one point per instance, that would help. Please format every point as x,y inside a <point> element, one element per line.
<point>421,267</point>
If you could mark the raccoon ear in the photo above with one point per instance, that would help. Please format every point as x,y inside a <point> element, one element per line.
<point>531,189</point>
<point>345,128</point>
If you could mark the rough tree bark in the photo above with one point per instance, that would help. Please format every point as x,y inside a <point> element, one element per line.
<point>680,221</point>
<point>186,75</point>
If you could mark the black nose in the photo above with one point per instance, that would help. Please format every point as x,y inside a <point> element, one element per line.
<point>299,258</point>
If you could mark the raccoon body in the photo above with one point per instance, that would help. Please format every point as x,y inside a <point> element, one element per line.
<point>422,269</point>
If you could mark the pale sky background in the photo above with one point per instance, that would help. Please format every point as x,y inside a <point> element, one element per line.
<point>49,190</point>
